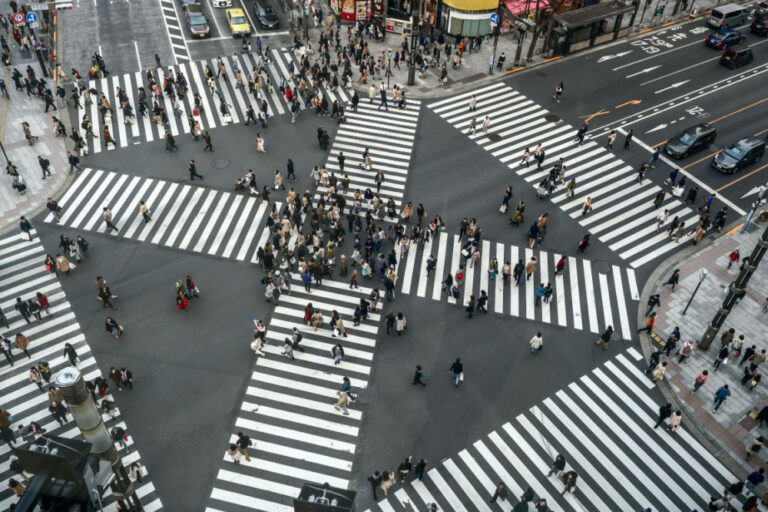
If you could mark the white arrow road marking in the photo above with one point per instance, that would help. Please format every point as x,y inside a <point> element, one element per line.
<point>673,86</point>
<point>754,191</point>
<point>646,70</point>
<point>658,127</point>
<point>611,57</point>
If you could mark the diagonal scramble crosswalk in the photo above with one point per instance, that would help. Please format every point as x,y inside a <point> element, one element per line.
<point>587,295</point>
<point>623,215</point>
<point>288,411</point>
<point>23,274</point>
<point>184,216</point>
<point>603,424</point>
<point>143,129</point>
<point>389,137</point>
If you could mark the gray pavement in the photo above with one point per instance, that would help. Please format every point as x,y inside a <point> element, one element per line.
<point>732,428</point>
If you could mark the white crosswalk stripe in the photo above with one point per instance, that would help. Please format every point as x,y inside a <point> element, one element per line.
<point>288,411</point>
<point>602,424</point>
<point>184,217</point>
<point>143,129</point>
<point>23,274</point>
<point>584,288</point>
<point>389,138</point>
<point>623,215</point>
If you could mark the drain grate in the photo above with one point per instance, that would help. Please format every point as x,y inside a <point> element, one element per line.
<point>602,267</point>
<point>367,395</point>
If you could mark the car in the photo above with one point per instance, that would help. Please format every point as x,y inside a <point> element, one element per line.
<point>187,3</point>
<point>196,21</point>
<point>739,155</point>
<point>265,15</point>
<point>724,38</point>
<point>690,140</point>
<point>760,24</point>
<point>737,55</point>
<point>221,3</point>
<point>238,23</point>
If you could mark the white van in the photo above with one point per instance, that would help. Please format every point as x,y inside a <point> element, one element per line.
<point>728,16</point>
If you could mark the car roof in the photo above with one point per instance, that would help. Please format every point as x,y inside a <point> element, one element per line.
<point>749,142</point>
<point>739,48</point>
<point>726,31</point>
<point>235,12</point>
<point>699,128</point>
<point>195,9</point>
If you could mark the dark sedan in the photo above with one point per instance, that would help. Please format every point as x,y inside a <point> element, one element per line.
<point>265,15</point>
<point>197,22</point>
<point>690,140</point>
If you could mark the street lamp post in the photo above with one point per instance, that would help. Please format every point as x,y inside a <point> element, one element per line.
<point>735,289</point>
<point>761,196</point>
<point>91,425</point>
<point>306,21</point>
<point>702,277</point>
<point>496,27</point>
<point>412,64</point>
<point>389,65</point>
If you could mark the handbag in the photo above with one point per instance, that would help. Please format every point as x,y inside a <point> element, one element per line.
<point>464,253</point>
<point>461,377</point>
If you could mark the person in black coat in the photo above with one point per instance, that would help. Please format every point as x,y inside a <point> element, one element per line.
<point>59,412</point>
<point>665,411</point>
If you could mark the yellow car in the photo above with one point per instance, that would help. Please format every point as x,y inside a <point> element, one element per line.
<point>238,23</point>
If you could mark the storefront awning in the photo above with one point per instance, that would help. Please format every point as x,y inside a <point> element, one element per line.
<point>520,7</point>
<point>592,13</point>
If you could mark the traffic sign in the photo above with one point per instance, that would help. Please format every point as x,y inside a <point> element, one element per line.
<point>39,7</point>
<point>494,18</point>
<point>389,53</point>
<point>18,18</point>
<point>31,18</point>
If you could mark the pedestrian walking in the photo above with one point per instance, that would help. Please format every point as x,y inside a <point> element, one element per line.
<point>420,468</point>
<point>661,219</point>
<point>611,140</point>
<point>208,142</point>
<point>375,480</point>
<point>106,215</point>
<point>557,466</point>
<point>59,412</point>
<point>486,124</point>
<point>653,302</point>
<point>700,380</point>
<point>658,373</point>
<point>605,338</point>
<point>234,453</point>
<point>558,92</point>
<point>71,354</point>
<point>400,324</point>
<point>674,421</point>
<point>659,199</point>
<point>404,468</point>
<point>144,211</point>
<point>500,492</point>
<point>733,257</point>
<point>530,267</point>
<point>193,171</point>
<point>654,157</point>
<point>673,279</point>
<point>342,404</point>
<point>721,395</point>
<point>650,323</point>
<point>586,207</point>
<point>243,442</point>
<point>418,376</point>
<point>25,227</point>
<point>628,138</point>
<point>584,243</point>
<point>457,371</point>
<point>665,411</point>
<point>536,343</point>
<point>755,446</point>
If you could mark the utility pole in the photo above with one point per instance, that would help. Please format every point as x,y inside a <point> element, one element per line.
<point>496,26</point>
<point>735,290</point>
<point>91,425</point>
<point>389,65</point>
<point>306,21</point>
<point>414,33</point>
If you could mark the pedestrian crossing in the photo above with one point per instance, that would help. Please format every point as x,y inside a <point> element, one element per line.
<point>623,215</point>
<point>184,216</point>
<point>237,97</point>
<point>389,137</point>
<point>288,411</point>
<point>587,295</point>
<point>23,274</point>
<point>602,424</point>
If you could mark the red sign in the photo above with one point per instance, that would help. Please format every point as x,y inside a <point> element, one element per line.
<point>18,18</point>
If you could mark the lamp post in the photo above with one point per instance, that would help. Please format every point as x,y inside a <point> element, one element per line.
<point>702,276</point>
<point>414,25</point>
<point>735,289</point>
<point>91,425</point>
<point>306,21</point>
<point>762,194</point>
<point>496,28</point>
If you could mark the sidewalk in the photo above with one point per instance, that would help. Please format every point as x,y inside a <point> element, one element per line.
<point>474,68</point>
<point>731,429</point>
<point>13,112</point>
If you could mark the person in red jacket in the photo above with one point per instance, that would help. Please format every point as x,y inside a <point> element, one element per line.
<point>44,304</point>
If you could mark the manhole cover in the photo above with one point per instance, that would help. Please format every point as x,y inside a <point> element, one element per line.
<point>541,73</point>
<point>220,163</point>
<point>552,118</point>
<point>602,267</point>
<point>495,137</point>
<point>366,396</point>
<point>364,492</point>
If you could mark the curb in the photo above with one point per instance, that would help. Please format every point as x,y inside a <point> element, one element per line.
<point>652,284</point>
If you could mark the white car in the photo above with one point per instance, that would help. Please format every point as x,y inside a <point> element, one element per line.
<point>221,3</point>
